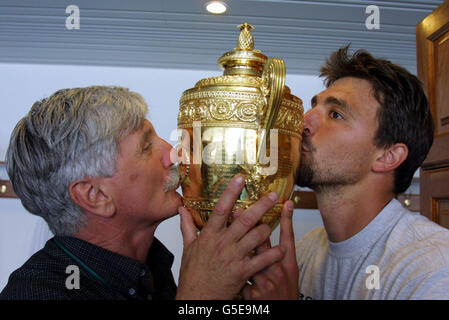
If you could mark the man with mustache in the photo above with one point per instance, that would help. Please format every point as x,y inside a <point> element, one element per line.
<point>88,162</point>
<point>363,140</point>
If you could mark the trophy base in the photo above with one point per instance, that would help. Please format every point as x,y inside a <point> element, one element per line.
<point>201,210</point>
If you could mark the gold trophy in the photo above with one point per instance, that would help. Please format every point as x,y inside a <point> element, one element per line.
<point>245,122</point>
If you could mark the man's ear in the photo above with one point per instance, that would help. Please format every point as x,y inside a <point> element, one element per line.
<point>90,195</point>
<point>390,158</point>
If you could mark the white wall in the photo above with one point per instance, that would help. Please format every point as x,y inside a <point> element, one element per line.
<point>21,234</point>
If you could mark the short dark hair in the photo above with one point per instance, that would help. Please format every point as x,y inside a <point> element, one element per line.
<point>404,115</point>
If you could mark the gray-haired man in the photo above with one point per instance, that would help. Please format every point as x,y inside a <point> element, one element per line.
<point>89,163</point>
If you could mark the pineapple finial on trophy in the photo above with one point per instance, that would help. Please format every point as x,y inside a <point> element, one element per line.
<point>246,39</point>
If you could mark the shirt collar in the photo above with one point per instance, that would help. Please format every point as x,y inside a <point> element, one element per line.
<point>387,217</point>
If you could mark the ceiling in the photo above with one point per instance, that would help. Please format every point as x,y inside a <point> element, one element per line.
<point>181,34</point>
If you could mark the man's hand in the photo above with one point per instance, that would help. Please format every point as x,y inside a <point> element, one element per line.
<point>215,264</point>
<point>280,280</point>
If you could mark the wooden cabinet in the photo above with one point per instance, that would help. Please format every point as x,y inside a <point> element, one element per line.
<point>432,46</point>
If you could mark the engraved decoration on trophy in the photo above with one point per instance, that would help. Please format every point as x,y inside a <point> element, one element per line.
<point>244,122</point>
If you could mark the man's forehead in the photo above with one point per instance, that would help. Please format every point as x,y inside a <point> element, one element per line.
<point>354,90</point>
<point>352,86</point>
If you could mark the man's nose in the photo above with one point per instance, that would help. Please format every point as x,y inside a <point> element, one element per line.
<point>311,120</point>
<point>166,149</point>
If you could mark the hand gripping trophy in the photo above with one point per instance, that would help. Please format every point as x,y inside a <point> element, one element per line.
<point>244,122</point>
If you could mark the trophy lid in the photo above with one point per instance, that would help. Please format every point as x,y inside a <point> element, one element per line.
<point>243,60</point>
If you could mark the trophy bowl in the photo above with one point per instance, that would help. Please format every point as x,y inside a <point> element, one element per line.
<point>244,122</point>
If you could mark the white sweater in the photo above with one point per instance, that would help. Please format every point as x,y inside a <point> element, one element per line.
<point>398,255</point>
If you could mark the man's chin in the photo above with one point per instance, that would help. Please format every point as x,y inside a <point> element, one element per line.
<point>177,195</point>
<point>174,201</point>
<point>303,184</point>
<point>304,177</point>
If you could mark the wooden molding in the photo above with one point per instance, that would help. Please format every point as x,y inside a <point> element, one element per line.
<point>307,200</point>
<point>432,36</point>
<point>304,200</point>
<point>6,190</point>
<point>410,201</point>
<point>428,32</point>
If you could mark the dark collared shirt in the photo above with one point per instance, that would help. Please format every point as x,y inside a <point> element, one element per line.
<point>50,274</point>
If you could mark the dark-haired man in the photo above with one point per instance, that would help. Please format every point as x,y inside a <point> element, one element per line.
<point>363,139</point>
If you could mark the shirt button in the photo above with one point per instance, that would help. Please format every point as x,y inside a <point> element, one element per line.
<point>132,291</point>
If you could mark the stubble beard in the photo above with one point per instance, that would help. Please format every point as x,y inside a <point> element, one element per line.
<point>304,176</point>
<point>326,176</point>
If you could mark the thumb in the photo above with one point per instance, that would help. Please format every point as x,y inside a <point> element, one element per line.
<point>188,228</point>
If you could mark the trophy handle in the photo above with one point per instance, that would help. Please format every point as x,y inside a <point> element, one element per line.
<point>273,84</point>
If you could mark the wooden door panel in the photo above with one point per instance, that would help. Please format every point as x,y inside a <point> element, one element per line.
<point>435,195</point>
<point>442,211</point>
<point>432,48</point>
<point>441,82</point>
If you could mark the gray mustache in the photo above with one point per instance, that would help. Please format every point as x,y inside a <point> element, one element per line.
<point>172,181</point>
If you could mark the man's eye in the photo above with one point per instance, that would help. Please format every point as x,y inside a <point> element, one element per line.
<point>335,115</point>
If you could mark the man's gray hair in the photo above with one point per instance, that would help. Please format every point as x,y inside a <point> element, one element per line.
<point>69,136</point>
